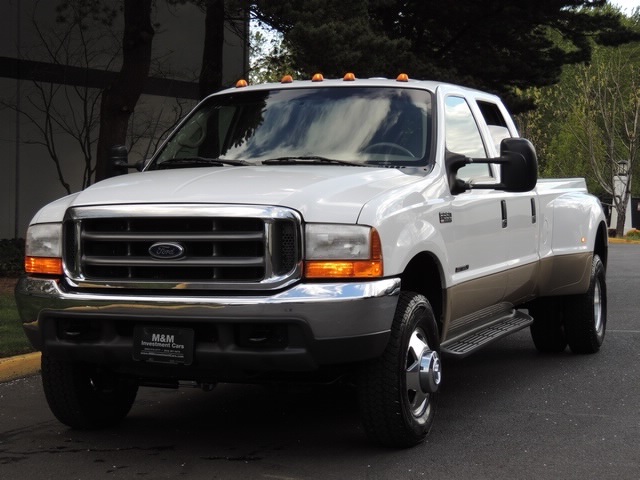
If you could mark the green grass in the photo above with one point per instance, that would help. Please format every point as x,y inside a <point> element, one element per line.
<point>12,339</point>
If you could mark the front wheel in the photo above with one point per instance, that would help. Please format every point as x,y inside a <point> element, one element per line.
<point>84,396</point>
<point>398,391</point>
<point>585,315</point>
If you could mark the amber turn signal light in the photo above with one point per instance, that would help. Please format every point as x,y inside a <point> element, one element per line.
<point>343,269</point>
<point>43,265</point>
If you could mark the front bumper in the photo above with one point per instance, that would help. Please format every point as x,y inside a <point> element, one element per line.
<point>312,324</point>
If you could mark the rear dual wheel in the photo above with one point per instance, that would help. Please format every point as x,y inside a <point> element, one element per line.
<point>547,329</point>
<point>577,320</point>
<point>586,314</point>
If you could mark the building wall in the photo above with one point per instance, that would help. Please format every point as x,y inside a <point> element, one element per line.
<point>29,177</point>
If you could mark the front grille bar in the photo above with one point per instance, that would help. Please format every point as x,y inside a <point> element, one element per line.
<point>157,237</point>
<point>138,261</point>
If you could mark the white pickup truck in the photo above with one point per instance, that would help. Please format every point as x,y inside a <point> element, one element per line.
<point>306,231</point>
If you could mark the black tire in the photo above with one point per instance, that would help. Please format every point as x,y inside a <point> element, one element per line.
<point>586,314</point>
<point>398,392</point>
<point>83,396</point>
<point>547,330</point>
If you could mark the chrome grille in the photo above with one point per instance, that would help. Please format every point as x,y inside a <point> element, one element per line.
<point>219,247</point>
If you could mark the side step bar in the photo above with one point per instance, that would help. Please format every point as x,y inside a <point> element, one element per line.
<point>462,346</point>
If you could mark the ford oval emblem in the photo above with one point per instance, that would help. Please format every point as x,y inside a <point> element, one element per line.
<point>166,250</point>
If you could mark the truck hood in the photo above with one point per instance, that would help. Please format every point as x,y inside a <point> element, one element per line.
<point>320,193</point>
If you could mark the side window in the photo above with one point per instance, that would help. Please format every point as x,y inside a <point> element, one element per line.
<point>463,137</point>
<point>495,121</point>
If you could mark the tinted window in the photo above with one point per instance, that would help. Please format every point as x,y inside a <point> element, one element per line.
<point>364,125</point>
<point>495,121</point>
<point>463,137</point>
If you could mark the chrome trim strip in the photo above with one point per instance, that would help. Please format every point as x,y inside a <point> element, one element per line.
<point>180,210</point>
<point>332,310</point>
<point>301,293</point>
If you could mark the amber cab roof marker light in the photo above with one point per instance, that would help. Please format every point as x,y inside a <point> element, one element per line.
<point>403,77</point>
<point>286,79</point>
<point>241,83</point>
<point>317,78</point>
<point>349,77</point>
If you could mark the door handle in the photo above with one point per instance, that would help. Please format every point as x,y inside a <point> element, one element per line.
<point>534,216</point>
<point>503,207</point>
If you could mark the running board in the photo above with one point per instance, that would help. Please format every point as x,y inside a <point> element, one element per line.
<point>469,343</point>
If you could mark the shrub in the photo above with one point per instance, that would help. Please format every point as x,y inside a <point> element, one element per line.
<point>11,257</point>
<point>633,234</point>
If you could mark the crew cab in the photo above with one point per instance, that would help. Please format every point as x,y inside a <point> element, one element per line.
<point>305,231</point>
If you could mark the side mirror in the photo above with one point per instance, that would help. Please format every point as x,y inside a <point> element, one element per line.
<point>518,168</point>
<point>119,161</point>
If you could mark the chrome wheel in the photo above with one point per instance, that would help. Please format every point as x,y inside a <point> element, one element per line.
<point>423,374</point>
<point>597,307</point>
<point>585,315</point>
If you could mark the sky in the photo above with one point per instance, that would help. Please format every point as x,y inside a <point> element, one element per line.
<point>627,5</point>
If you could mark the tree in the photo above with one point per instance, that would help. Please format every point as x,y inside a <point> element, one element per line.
<point>211,70</point>
<point>270,59</point>
<point>119,99</point>
<point>495,45</point>
<point>606,106</point>
<point>219,16</point>
<point>589,124</point>
<point>62,112</point>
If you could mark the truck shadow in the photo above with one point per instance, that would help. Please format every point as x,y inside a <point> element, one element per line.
<point>249,422</point>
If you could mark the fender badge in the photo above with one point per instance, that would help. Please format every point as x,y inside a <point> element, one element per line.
<point>166,250</point>
<point>446,217</point>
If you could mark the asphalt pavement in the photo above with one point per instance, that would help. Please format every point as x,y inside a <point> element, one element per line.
<point>507,412</point>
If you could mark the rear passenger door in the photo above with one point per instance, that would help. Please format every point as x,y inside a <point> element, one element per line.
<point>520,219</point>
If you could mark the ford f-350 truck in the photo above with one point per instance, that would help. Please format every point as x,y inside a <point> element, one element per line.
<point>311,230</point>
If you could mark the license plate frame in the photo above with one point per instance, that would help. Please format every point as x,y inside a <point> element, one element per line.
<point>167,345</point>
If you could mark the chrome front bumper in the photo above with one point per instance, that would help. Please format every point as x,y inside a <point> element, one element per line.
<point>327,314</point>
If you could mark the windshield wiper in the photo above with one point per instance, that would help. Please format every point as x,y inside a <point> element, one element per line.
<point>308,159</point>
<point>198,162</point>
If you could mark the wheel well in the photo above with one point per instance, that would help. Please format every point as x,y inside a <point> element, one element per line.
<point>600,247</point>
<point>423,275</point>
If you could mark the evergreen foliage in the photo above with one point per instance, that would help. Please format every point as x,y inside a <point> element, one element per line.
<point>495,45</point>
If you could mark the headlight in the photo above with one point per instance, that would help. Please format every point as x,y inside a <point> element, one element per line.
<point>342,251</point>
<point>43,249</point>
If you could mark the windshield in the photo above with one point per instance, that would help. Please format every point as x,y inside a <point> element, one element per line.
<point>350,125</point>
